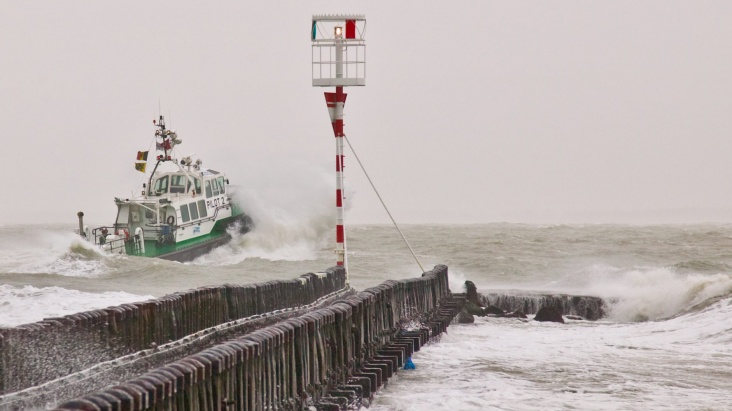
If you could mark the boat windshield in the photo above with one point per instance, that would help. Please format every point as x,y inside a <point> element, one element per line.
<point>161,186</point>
<point>177,183</point>
<point>198,185</point>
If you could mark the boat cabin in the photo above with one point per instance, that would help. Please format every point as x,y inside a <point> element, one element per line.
<point>177,206</point>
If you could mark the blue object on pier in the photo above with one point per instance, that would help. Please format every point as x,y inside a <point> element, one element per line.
<point>409,365</point>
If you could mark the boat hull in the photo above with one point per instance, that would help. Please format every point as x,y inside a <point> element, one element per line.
<point>193,248</point>
<point>194,251</point>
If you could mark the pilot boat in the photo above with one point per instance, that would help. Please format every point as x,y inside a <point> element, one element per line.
<point>182,212</point>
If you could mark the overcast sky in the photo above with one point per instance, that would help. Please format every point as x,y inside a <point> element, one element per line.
<point>473,112</point>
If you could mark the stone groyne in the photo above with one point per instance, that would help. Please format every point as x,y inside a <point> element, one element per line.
<point>588,307</point>
<point>329,357</point>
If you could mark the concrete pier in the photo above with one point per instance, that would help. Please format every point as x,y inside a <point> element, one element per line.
<point>229,347</point>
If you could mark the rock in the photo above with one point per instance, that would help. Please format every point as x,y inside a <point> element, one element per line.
<point>471,293</point>
<point>549,314</point>
<point>492,309</point>
<point>473,309</point>
<point>588,307</point>
<point>465,318</point>
<point>575,317</point>
<point>515,314</point>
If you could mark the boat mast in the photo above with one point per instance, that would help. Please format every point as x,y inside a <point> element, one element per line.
<point>160,132</point>
<point>168,140</point>
<point>338,60</point>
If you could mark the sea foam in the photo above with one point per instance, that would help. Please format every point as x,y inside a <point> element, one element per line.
<point>58,252</point>
<point>27,304</point>
<point>654,293</point>
<point>292,224</point>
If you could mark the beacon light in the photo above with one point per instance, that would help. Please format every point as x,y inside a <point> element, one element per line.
<point>338,31</point>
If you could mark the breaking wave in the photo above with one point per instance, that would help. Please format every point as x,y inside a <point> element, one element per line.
<point>47,251</point>
<point>291,223</point>
<point>653,293</point>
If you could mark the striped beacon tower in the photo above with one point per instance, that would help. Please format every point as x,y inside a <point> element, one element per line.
<point>339,60</point>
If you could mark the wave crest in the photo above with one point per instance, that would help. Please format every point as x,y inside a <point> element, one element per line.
<point>55,252</point>
<point>652,293</point>
<point>291,223</point>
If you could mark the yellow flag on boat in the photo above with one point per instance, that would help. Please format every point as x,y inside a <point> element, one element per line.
<point>142,155</point>
<point>140,167</point>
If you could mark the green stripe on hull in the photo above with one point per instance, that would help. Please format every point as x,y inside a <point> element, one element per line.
<point>224,223</point>
<point>193,247</point>
<point>153,249</point>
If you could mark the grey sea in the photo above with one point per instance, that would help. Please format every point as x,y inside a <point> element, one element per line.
<point>665,344</point>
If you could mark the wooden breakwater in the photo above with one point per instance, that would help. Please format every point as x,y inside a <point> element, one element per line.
<point>330,357</point>
<point>40,353</point>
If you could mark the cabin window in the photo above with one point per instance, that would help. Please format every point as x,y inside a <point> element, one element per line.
<point>194,211</point>
<point>215,185</point>
<point>208,189</point>
<point>177,183</point>
<point>184,213</point>
<point>123,215</point>
<point>197,185</point>
<point>161,186</point>
<point>222,187</point>
<point>202,208</point>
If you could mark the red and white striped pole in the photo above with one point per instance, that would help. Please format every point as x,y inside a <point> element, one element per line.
<point>335,102</point>
<point>339,60</point>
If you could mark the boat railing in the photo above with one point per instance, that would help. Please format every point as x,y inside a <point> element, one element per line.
<point>161,233</point>
<point>120,243</point>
